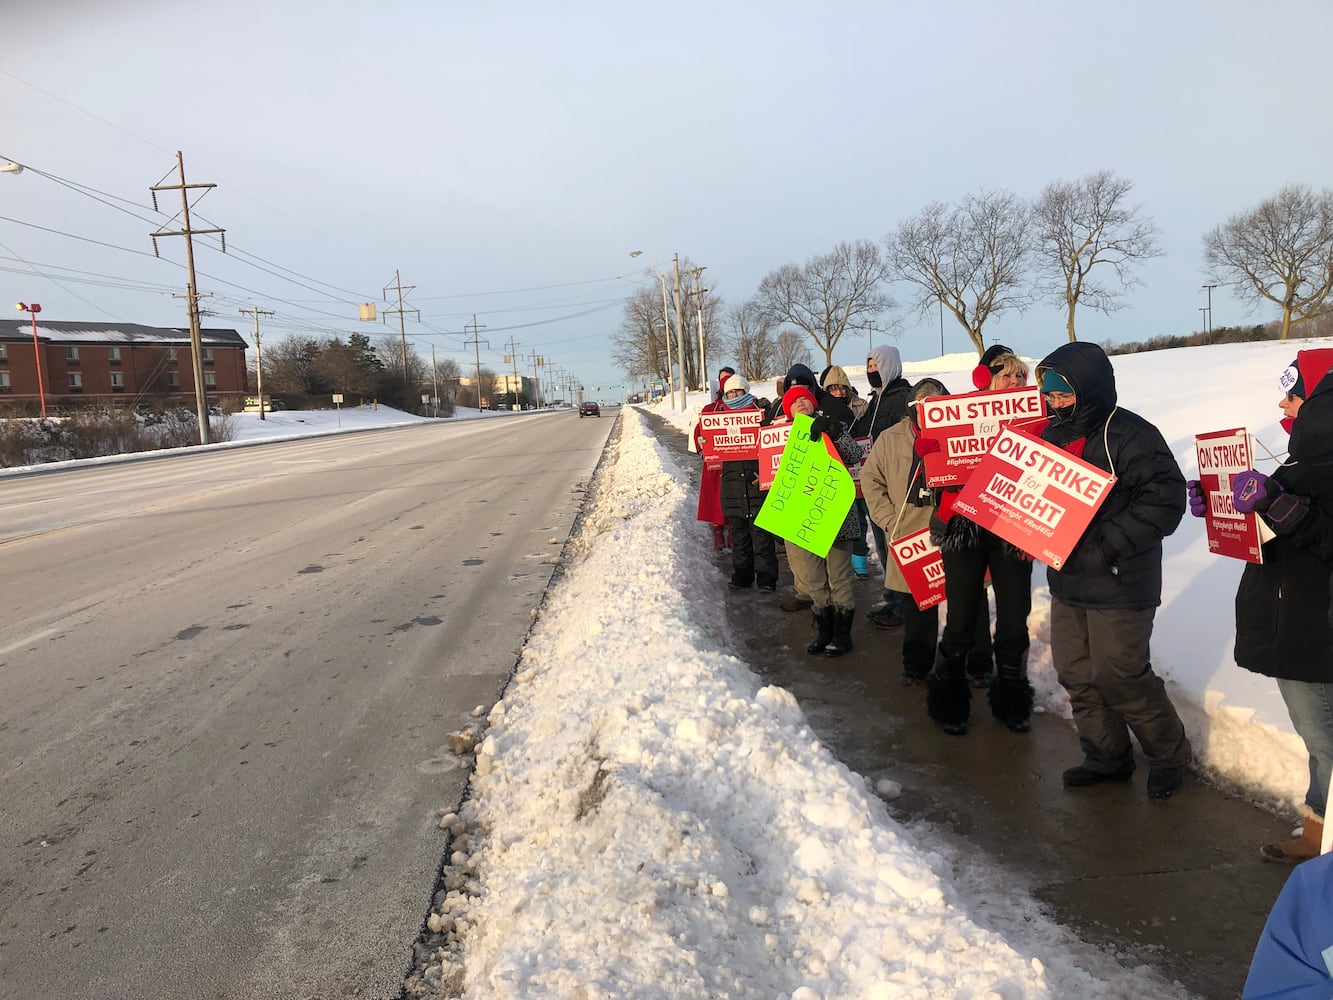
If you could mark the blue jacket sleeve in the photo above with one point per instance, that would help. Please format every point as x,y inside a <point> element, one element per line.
<point>1294,957</point>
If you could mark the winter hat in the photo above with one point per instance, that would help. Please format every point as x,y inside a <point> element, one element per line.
<point>1290,380</point>
<point>836,376</point>
<point>736,382</point>
<point>928,387</point>
<point>1053,381</point>
<point>991,364</point>
<point>795,393</point>
<point>799,374</point>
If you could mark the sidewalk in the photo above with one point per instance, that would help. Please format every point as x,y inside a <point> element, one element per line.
<point>1176,885</point>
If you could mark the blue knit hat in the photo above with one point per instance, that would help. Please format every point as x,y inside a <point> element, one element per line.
<point>1053,381</point>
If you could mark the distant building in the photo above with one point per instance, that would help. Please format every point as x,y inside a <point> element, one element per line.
<point>118,364</point>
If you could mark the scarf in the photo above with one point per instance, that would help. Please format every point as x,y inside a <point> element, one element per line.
<point>740,402</point>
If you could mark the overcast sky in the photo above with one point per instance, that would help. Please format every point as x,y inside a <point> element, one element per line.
<point>505,159</point>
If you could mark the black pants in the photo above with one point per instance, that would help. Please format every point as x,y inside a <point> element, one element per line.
<point>754,554</point>
<point>965,589</point>
<point>921,630</point>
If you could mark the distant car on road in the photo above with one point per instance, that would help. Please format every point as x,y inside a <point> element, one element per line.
<point>589,409</point>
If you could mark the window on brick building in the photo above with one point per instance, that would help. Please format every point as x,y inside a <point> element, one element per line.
<point>4,352</point>
<point>211,379</point>
<point>118,381</point>
<point>113,355</point>
<point>207,355</point>
<point>4,381</point>
<point>76,381</point>
<point>72,355</point>
<point>174,380</point>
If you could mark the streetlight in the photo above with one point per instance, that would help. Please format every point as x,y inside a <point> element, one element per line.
<point>1210,307</point>
<point>666,329</point>
<point>12,168</point>
<point>33,310</point>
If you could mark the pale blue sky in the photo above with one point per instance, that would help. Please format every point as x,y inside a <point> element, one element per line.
<point>484,149</point>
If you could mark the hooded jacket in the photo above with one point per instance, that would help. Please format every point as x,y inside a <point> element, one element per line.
<point>1117,563</point>
<point>887,404</point>
<point>1282,606</point>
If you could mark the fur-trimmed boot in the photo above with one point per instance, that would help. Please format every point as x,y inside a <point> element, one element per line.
<point>842,632</point>
<point>1010,693</point>
<point>948,697</point>
<point>1298,849</point>
<point>823,618</point>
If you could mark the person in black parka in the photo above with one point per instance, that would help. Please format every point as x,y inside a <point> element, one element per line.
<point>1105,596</point>
<point>1283,629</point>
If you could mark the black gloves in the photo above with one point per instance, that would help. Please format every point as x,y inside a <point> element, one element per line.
<point>819,426</point>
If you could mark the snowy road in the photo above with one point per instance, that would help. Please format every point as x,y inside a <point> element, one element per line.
<point>225,682</point>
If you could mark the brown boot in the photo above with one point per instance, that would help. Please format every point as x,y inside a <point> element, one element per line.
<point>1298,849</point>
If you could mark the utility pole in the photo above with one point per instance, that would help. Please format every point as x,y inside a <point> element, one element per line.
<point>680,336</point>
<point>402,326</point>
<point>512,358</point>
<point>435,381</point>
<point>476,342</point>
<point>699,311</point>
<point>1210,308</point>
<point>1204,310</point>
<point>191,294</point>
<point>538,362</point>
<point>259,355</point>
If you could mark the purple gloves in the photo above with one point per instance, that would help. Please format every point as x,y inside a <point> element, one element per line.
<point>1198,501</point>
<point>1253,491</point>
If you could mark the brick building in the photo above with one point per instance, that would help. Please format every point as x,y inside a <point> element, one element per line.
<point>118,364</point>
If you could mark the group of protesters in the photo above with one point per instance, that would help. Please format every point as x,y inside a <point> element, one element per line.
<point>1104,594</point>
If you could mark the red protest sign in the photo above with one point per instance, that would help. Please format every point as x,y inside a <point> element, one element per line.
<point>966,425</point>
<point>1221,455</point>
<point>731,436</point>
<point>771,442</point>
<point>923,567</point>
<point>1033,494</point>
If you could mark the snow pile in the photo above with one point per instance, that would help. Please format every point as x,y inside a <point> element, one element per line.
<point>647,820</point>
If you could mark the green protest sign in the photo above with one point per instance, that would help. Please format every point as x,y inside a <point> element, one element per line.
<point>811,494</point>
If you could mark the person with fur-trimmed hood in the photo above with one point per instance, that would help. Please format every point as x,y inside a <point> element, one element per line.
<point>1105,596</point>
<point>970,552</point>
<point>1283,625</point>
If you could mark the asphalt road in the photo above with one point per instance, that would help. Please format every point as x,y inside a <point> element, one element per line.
<point>226,683</point>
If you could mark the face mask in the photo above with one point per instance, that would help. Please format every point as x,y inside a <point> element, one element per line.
<point>1063,414</point>
<point>875,381</point>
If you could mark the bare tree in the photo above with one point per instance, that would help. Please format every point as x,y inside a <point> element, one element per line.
<point>971,257</point>
<point>1279,252</point>
<point>791,350</point>
<point>292,365</point>
<point>751,344</point>
<point>1085,224</point>
<point>639,347</point>
<point>830,294</point>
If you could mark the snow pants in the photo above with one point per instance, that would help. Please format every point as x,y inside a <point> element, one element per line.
<point>1102,659</point>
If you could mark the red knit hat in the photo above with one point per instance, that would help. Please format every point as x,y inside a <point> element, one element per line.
<point>795,393</point>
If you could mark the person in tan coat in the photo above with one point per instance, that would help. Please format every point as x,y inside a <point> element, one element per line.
<point>894,484</point>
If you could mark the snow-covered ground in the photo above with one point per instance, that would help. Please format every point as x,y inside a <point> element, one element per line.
<point>649,820</point>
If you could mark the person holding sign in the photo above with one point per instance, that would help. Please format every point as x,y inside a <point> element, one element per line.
<point>830,578</point>
<point>710,480</point>
<point>1104,597</point>
<point>1282,625</point>
<point>894,483</point>
<point>754,554</point>
<point>970,552</point>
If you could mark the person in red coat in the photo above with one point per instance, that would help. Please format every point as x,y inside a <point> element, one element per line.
<point>710,482</point>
